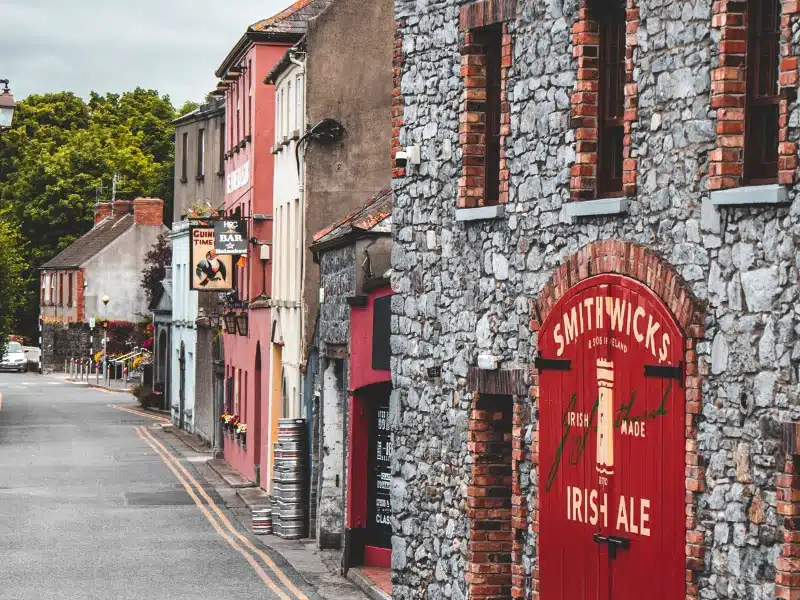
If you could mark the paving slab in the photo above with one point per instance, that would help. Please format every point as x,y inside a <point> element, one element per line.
<point>231,476</point>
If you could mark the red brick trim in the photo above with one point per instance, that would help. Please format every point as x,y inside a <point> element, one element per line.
<point>486,12</point>
<point>80,300</point>
<point>728,90</point>
<point>586,48</point>
<point>397,98</point>
<point>489,507</point>
<point>472,118</point>
<point>787,576</point>
<point>637,262</point>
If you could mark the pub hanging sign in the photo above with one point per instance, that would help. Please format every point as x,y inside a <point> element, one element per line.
<point>230,236</point>
<point>208,270</point>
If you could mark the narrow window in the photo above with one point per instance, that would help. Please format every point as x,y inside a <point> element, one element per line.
<point>250,99</point>
<point>762,100</point>
<point>491,39</point>
<point>238,114</point>
<point>289,108</point>
<point>201,153</point>
<point>61,289</point>
<point>221,149</point>
<point>298,111</point>
<point>69,289</point>
<point>284,133</point>
<point>277,118</point>
<point>611,110</point>
<point>184,153</point>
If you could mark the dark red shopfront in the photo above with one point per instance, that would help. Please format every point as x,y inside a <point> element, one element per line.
<point>611,441</point>
<point>368,519</point>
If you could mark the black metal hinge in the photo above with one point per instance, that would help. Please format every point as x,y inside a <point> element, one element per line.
<point>665,371</point>
<point>551,364</point>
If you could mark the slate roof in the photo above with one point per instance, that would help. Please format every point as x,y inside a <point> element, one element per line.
<point>294,19</point>
<point>164,290</point>
<point>84,248</point>
<point>374,217</point>
<point>289,25</point>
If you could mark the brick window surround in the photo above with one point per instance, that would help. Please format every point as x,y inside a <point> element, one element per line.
<point>472,126</point>
<point>489,498</point>
<point>647,267</point>
<point>728,93</point>
<point>787,576</point>
<point>398,106</point>
<point>585,100</point>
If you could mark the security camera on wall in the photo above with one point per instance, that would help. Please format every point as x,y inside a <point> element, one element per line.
<point>408,156</point>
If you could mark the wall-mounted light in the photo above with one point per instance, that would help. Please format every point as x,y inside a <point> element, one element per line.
<point>230,322</point>
<point>241,323</point>
<point>214,320</point>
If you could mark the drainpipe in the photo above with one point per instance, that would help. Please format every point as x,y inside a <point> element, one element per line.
<point>301,195</point>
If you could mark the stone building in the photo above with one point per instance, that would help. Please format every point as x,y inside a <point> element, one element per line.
<point>352,384</point>
<point>595,320</point>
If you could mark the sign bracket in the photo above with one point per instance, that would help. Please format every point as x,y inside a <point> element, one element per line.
<point>551,364</point>
<point>665,371</point>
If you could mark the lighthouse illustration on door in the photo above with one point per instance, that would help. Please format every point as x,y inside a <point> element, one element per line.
<point>605,417</point>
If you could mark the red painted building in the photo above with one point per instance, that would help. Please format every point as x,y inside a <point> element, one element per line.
<point>249,164</point>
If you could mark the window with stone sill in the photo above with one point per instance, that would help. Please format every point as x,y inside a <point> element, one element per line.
<point>752,86</point>
<point>604,104</point>
<point>484,117</point>
<point>762,100</point>
<point>611,132</point>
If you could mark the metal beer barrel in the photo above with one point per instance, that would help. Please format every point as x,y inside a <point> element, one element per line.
<point>289,480</point>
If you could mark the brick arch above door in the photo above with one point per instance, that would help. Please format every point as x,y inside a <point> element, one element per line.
<point>632,260</point>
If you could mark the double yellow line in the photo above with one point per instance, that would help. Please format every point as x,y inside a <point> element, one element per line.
<point>218,519</point>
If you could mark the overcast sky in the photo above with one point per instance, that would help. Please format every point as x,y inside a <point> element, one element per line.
<point>173,46</point>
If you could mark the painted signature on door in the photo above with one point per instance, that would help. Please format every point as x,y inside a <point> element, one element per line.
<point>624,415</point>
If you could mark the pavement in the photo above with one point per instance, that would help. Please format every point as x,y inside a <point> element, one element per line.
<point>97,502</point>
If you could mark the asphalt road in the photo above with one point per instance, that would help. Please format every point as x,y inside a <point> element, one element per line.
<point>89,510</point>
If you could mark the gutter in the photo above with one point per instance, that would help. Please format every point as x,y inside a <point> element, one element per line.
<point>248,39</point>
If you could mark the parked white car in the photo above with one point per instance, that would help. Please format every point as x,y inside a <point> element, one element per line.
<point>14,358</point>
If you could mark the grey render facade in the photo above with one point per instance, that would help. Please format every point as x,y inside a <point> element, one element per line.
<point>348,79</point>
<point>199,158</point>
<point>471,285</point>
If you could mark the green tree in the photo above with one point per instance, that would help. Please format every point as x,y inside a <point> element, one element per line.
<point>155,266</point>
<point>12,281</point>
<point>60,150</point>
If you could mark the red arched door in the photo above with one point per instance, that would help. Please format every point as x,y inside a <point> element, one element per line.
<point>611,445</point>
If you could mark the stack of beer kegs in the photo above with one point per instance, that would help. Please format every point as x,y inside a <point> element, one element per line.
<point>262,520</point>
<point>289,483</point>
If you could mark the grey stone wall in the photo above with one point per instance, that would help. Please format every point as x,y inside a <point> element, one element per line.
<point>338,277</point>
<point>464,287</point>
<point>60,343</point>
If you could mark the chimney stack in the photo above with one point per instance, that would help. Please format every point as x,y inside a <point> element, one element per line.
<point>148,211</point>
<point>122,207</point>
<point>101,211</point>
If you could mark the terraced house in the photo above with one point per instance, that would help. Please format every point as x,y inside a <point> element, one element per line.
<point>595,320</point>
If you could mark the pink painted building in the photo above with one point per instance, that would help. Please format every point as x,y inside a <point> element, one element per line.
<point>249,165</point>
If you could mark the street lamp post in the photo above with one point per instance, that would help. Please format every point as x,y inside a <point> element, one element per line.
<point>7,106</point>
<point>106,300</point>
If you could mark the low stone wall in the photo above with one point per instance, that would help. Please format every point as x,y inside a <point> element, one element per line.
<point>60,343</point>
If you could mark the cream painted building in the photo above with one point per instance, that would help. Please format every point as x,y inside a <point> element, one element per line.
<point>287,237</point>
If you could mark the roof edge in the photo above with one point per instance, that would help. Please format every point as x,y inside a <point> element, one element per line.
<point>249,39</point>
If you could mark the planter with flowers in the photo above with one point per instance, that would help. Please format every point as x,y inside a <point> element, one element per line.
<point>241,433</point>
